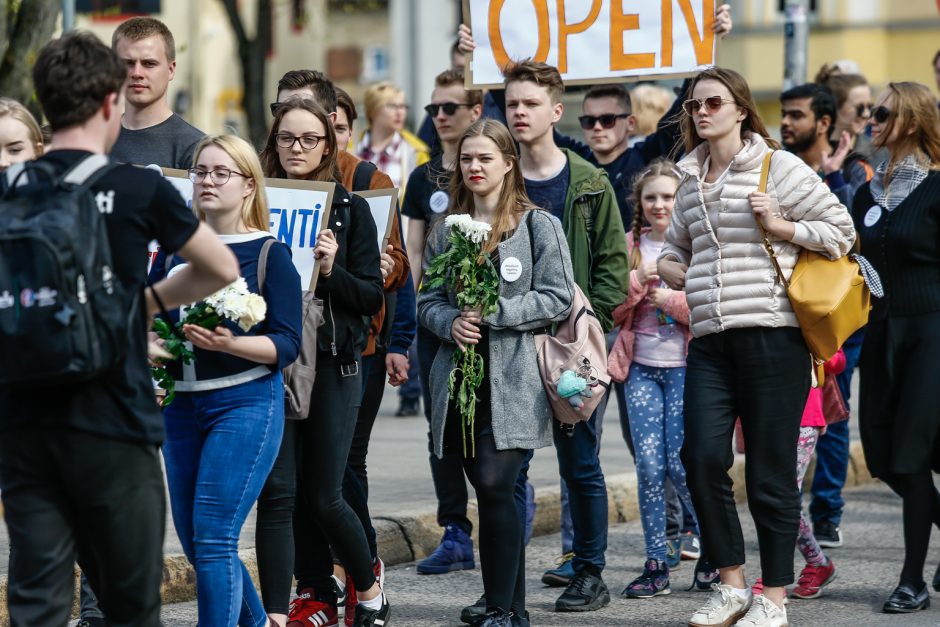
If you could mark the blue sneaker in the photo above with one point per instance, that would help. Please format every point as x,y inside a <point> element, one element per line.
<point>673,553</point>
<point>560,577</point>
<point>529,512</point>
<point>455,552</point>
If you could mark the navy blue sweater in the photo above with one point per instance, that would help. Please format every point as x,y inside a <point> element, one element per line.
<point>282,324</point>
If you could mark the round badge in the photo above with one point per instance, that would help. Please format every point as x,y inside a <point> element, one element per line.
<point>176,269</point>
<point>439,201</point>
<point>510,269</point>
<point>872,216</point>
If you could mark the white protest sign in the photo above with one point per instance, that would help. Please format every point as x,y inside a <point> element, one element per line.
<point>592,41</point>
<point>382,205</point>
<point>299,209</point>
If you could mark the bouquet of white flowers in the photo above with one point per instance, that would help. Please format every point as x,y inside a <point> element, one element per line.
<point>472,276</point>
<point>233,302</point>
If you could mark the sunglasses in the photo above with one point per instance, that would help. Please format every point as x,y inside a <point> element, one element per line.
<point>608,120</point>
<point>711,104</point>
<point>881,114</point>
<point>862,107</point>
<point>449,108</point>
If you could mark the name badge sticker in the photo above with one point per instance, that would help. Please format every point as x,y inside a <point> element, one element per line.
<point>510,269</point>
<point>439,201</point>
<point>872,216</point>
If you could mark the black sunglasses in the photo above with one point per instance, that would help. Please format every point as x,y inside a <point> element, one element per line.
<point>607,120</point>
<point>862,107</point>
<point>881,114</point>
<point>449,108</point>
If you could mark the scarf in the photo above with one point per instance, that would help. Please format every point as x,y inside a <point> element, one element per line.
<point>908,173</point>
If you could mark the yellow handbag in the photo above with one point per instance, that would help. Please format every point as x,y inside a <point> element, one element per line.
<point>830,298</point>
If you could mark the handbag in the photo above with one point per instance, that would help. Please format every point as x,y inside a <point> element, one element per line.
<point>834,406</point>
<point>831,298</point>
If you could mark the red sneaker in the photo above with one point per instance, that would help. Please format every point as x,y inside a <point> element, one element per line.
<point>307,611</point>
<point>813,579</point>
<point>351,602</point>
<point>758,588</point>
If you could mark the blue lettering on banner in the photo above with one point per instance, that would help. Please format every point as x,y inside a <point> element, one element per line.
<point>285,225</point>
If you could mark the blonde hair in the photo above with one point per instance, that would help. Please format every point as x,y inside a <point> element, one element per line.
<point>914,107</point>
<point>255,212</point>
<point>12,108</point>
<point>649,103</point>
<point>656,169</point>
<point>379,95</point>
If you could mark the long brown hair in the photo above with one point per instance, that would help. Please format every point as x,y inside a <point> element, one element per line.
<point>913,107</point>
<point>513,200</point>
<point>741,93</point>
<point>328,170</point>
<point>659,167</point>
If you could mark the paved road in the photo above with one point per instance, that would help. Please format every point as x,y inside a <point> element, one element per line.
<point>866,566</point>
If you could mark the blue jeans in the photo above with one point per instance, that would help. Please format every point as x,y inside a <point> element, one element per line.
<point>580,468</point>
<point>654,400</point>
<point>220,446</point>
<point>567,526</point>
<point>832,450</point>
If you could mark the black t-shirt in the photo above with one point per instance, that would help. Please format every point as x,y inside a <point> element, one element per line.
<point>427,195</point>
<point>119,404</point>
<point>550,194</point>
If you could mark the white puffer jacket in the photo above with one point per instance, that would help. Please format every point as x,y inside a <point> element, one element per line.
<point>731,281</point>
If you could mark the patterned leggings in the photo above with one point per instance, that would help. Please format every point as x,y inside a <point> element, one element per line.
<point>655,407</point>
<point>806,541</point>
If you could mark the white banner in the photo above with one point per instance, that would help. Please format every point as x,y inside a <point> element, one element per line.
<point>382,205</point>
<point>592,41</point>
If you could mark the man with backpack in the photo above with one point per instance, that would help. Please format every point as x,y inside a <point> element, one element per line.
<point>80,431</point>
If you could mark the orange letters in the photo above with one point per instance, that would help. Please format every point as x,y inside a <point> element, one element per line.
<point>565,29</point>
<point>619,23</point>
<point>496,38</point>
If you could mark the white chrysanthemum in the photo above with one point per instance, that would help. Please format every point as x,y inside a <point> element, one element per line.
<point>460,220</point>
<point>474,230</point>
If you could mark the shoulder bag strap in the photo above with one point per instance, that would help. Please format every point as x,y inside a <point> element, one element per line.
<point>762,188</point>
<point>263,261</point>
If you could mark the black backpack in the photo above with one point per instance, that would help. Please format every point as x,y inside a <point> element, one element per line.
<point>64,314</point>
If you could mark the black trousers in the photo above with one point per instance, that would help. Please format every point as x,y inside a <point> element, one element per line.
<point>763,376</point>
<point>70,495</point>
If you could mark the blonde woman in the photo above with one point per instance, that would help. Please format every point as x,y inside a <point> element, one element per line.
<point>224,428</point>
<point>386,143</point>
<point>20,136</point>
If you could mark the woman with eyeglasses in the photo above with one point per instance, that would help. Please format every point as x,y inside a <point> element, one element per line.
<point>898,220</point>
<point>224,427</point>
<point>302,146</point>
<point>747,357</point>
<point>385,142</point>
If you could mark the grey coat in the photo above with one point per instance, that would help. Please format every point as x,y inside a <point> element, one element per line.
<point>542,294</point>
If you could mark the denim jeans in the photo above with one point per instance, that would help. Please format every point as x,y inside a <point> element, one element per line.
<point>220,447</point>
<point>567,526</point>
<point>654,398</point>
<point>580,468</point>
<point>832,450</point>
<point>411,389</point>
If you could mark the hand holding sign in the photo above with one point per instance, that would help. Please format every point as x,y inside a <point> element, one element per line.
<point>387,261</point>
<point>325,251</point>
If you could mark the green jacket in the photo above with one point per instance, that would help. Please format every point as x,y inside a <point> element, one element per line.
<point>596,239</point>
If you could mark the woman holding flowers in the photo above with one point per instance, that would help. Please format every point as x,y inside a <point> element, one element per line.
<point>516,282</point>
<point>223,429</point>
<point>302,145</point>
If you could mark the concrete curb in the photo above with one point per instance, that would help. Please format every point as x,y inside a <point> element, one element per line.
<point>413,535</point>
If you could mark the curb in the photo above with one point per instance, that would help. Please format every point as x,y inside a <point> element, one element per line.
<point>413,535</point>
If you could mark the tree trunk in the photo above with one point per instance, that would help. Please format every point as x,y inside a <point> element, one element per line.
<point>25,27</point>
<point>252,54</point>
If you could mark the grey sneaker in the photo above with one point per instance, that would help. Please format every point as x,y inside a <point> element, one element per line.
<point>724,608</point>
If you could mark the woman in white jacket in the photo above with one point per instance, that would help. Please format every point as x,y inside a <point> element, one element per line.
<point>747,357</point>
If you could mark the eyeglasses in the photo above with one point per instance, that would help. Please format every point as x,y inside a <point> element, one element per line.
<point>394,106</point>
<point>607,120</point>
<point>881,114</point>
<point>449,108</point>
<point>711,104</point>
<point>219,176</point>
<point>307,142</point>
<point>862,107</point>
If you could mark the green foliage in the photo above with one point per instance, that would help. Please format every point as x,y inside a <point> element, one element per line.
<point>174,342</point>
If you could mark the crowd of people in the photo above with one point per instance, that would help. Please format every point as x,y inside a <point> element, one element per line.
<point>658,215</point>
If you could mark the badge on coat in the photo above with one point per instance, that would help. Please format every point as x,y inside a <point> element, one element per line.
<point>510,269</point>
<point>439,201</point>
<point>872,216</point>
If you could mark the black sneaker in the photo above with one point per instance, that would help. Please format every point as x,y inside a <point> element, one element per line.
<point>92,621</point>
<point>496,618</point>
<point>519,620</point>
<point>704,576</point>
<point>586,593</point>
<point>408,407</point>
<point>372,618</point>
<point>828,535</point>
<point>473,614</point>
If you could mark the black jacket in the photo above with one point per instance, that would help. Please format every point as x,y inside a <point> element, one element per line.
<point>352,294</point>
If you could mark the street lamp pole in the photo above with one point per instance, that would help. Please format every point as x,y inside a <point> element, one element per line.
<point>68,15</point>
<point>796,42</point>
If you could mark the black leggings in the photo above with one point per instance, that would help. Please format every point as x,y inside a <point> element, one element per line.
<point>921,511</point>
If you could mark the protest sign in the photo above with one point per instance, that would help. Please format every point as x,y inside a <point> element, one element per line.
<point>382,204</point>
<point>591,41</point>
<point>299,209</point>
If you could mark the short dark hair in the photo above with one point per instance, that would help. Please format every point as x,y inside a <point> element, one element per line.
<point>542,74</point>
<point>73,75</point>
<point>344,101</point>
<point>456,77</point>
<point>822,102</point>
<point>616,91</point>
<point>322,88</point>
<point>138,28</point>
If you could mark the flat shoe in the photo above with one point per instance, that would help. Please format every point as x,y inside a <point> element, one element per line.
<point>905,599</point>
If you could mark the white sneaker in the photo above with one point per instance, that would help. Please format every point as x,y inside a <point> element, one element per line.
<point>723,608</point>
<point>764,613</point>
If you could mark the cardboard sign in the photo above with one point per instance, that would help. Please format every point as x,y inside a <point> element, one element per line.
<point>382,203</point>
<point>299,209</point>
<point>591,41</point>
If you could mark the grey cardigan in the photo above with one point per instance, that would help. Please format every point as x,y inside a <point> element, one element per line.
<point>521,414</point>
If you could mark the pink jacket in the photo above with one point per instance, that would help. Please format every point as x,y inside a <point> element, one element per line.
<point>813,412</point>
<point>621,354</point>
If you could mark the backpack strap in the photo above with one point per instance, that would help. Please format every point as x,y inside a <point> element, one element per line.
<point>263,261</point>
<point>362,177</point>
<point>87,171</point>
<point>18,175</point>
